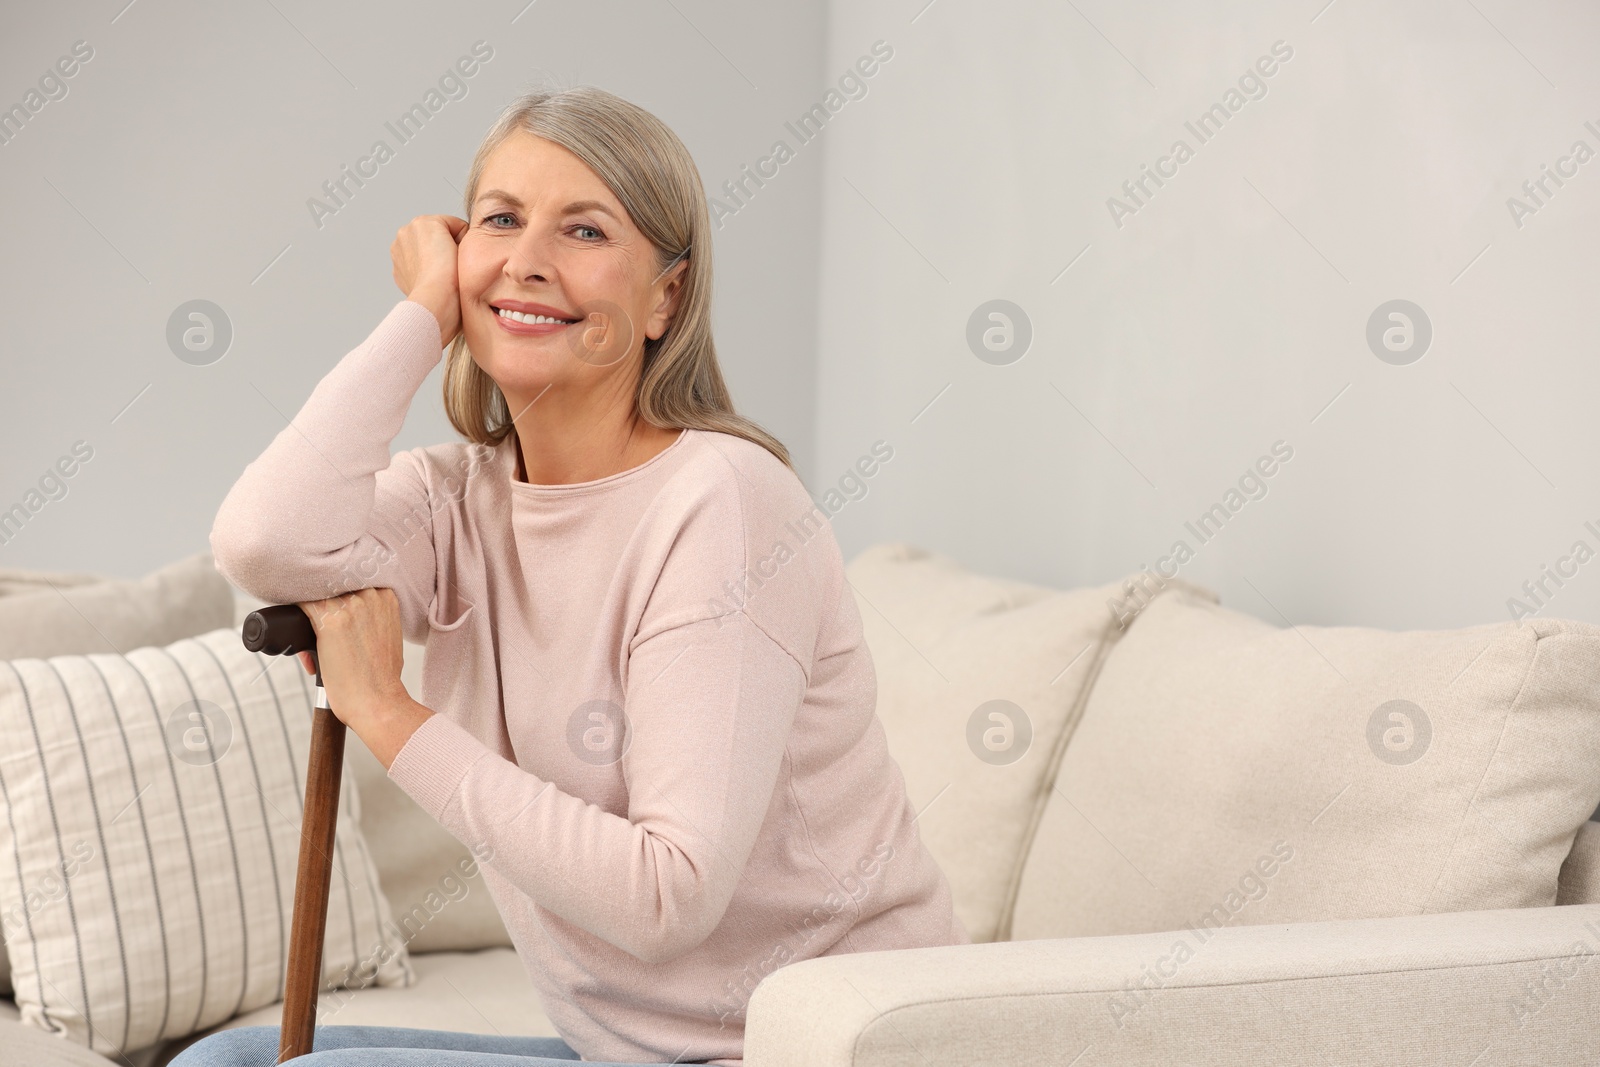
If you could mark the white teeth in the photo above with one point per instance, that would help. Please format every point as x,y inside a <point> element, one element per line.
<point>523,317</point>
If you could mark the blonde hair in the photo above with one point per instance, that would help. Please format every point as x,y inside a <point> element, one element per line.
<point>649,170</point>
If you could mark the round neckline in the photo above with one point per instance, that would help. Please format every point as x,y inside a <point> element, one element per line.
<point>543,489</point>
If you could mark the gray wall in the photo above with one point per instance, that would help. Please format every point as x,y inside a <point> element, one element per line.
<point>178,167</point>
<point>1171,346</point>
<point>1229,310</point>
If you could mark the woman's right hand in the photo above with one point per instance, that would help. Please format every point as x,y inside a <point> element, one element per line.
<point>424,255</point>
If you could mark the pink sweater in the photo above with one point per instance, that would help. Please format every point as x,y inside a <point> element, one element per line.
<point>655,710</point>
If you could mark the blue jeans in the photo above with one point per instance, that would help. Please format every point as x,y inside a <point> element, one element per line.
<point>381,1046</point>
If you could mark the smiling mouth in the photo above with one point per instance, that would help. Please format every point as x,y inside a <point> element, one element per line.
<point>527,317</point>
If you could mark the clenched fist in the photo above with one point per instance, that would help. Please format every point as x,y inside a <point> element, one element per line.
<point>360,652</point>
<point>424,255</point>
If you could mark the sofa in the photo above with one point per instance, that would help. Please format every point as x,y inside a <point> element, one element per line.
<point>1176,833</point>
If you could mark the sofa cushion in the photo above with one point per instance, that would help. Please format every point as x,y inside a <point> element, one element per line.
<point>979,683</point>
<point>23,1046</point>
<point>431,880</point>
<point>34,1046</point>
<point>112,615</point>
<point>472,992</point>
<point>152,803</point>
<point>183,599</point>
<point>1229,771</point>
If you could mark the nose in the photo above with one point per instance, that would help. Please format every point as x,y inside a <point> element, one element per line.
<point>528,259</point>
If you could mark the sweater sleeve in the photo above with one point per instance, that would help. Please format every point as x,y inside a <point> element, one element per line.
<point>325,509</point>
<point>708,707</point>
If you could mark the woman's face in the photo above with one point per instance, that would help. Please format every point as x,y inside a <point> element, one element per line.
<point>547,236</point>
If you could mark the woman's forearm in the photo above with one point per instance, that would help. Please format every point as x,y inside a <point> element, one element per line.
<point>298,523</point>
<point>655,881</point>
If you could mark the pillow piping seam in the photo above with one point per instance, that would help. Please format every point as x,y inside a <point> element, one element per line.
<point>1108,636</point>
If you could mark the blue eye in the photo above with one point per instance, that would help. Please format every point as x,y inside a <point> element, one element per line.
<point>597,233</point>
<point>501,215</point>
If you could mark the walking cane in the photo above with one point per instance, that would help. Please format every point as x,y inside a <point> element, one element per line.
<point>283,630</point>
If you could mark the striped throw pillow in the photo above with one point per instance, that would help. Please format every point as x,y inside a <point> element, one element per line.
<point>150,809</point>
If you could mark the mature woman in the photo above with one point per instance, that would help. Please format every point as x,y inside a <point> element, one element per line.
<point>646,695</point>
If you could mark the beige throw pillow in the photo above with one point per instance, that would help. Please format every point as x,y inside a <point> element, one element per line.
<point>150,807</point>
<point>14,580</point>
<point>49,614</point>
<point>1580,874</point>
<point>980,680</point>
<point>1228,771</point>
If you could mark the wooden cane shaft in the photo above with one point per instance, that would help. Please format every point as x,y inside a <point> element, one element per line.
<point>312,880</point>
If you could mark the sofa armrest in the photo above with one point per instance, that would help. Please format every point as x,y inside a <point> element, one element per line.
<point>1518,985</point>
